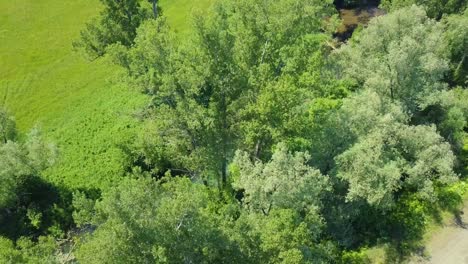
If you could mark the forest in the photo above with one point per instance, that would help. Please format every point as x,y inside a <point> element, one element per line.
<point>232,131</point>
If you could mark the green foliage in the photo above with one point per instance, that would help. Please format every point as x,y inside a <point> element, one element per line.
<point>455,34</point>
<point>20,161</point>
<point>28,252</point>
<point>451,197</point>
<point>229,79</point>
<point>435,8</point>
<point>253,78</point>
<point>7,127</point>
<point>83,209</point>
<point>29,204</point>
<point>133,230</point>
<point>117,24</point>
<point>449,111</point>
<point>390,156</point>
<point>355,257</point>
<point>408,222</point>
<point>284,182</point>
<point>389,141</point>
<point>403,86</point>
<point>400,56</point>
<point>287,237</point>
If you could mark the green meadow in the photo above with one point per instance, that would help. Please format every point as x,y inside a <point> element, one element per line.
<point>45,83</point>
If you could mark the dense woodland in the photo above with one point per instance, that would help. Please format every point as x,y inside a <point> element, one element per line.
<point>265,139</point>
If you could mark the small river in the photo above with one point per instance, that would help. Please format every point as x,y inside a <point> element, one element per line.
<point>354,16</point>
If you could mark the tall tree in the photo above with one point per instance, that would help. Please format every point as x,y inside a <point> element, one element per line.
<point>117,23</point>
<point>401,56</point>
<point>28,252</point>
<point>435,8</point>
<point>285,182</point>
<point>394,159</point>
<point>180,224</point>
<point>206,91</point>
<point>456,34</point>
<point>23,193</point>
<point>7,127</point>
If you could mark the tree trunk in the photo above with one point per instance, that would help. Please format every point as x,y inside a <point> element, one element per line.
<point>224,140</point>
<point>155,8</point>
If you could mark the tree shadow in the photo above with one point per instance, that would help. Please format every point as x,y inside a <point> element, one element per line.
<point>39,207</point>
<point>458,219</point>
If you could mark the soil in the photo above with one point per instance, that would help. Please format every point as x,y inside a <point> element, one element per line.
<point>450,244</point>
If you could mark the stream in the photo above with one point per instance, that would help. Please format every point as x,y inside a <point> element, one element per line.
<point>354,16</point>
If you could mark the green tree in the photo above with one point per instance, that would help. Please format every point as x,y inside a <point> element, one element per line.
<point>7,127</point>
<point>287,236</point>
<point>29,205</point>
<point>117,23</point>
<point>401,56</point>
<point>283,203</point>
<point>378,158</point>
<point>284,182</point>
<point>456,34</point>
<point>28,252</point>
<point>211,93</point>
<point>18,161</point>
<point>448,110</point>
<point>435,8</point>
<point>167,221</point>
<point>376,167</point>
<point>389,140</point>
<point>390,156</point>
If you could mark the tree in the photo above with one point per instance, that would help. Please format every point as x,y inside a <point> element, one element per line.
<point>379,158</point>
<point>284,182</point>
<point>456,34</point>
<point>28,252</point>
<point>449,112</point>
<point>435,8</point>
<point>283,203</point>
<point>391,157</point>
<point>117,23</point>
<point>189,222</point>
<point>389,140</point>
<point>29,205</point>
<point>18,161</point>
<point>287,236</point>
<point>155,7</point>
<point>206,91</point>
<point>178,225</point>
<point>7,127</point>
<point>400,56</point>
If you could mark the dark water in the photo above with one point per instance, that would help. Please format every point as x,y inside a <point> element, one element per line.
<point>354,15</point>
<point>349,4</point>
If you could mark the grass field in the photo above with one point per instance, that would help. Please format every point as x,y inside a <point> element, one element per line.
<point>44,82</point>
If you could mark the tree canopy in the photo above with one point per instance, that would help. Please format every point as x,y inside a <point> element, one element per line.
<point>117,23</point>
<point>265,139</point>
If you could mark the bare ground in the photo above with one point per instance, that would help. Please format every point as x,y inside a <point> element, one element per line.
<point>450,244</point>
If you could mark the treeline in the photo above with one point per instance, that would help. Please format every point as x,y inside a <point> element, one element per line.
<point>266,140</point>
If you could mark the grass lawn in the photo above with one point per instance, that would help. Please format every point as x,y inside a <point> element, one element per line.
<point>44,82</point>
<point>178,12</point>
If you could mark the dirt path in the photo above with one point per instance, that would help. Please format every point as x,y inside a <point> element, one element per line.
<point>450,244</point>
